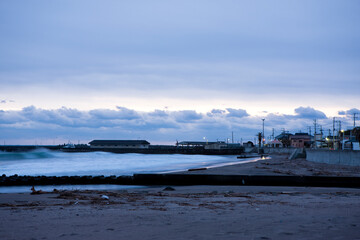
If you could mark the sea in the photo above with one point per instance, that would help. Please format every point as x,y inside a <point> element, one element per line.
<point>43,162</point>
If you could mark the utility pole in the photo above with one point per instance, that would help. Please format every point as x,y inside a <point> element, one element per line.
<point>339,130</point>
<point>260,140</point>
<point>232,137</point>
<point>333,133</point>
<point>355,118</point>
<point>321,136</point>
<point>263,134</point>
<point>315,132</point>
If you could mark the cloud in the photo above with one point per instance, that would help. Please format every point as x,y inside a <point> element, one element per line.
<point>126,113</point>
<point>309,113</point>
<point>186,116</point>
<point>120,113</point>
<point>237,113</point>
<point>133,60</point>
<point>352,111</point>
<point>4,101</point>
<point>11,117</point>
<point>59,117</point>
<point>278,119</point>
<point>156,126</point>
<point>158,113</point>
<point>216,112</point>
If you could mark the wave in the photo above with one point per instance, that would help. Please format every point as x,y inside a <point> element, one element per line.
<point>40,153</point>
<point>52,163</point>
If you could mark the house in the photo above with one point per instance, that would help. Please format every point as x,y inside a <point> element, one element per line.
<point>284,138</point>
<point>275,143</point>
<point>300,140</point>
<point>119,144</point>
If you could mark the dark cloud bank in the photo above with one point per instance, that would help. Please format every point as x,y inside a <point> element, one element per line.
<point>159,126</point>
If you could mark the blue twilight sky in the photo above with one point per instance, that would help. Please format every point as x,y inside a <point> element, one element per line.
<point>175,70</point>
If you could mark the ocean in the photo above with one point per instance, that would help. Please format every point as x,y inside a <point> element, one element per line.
<point>54,163</point>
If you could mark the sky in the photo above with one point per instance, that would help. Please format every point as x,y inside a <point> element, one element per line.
<point>175,70</point>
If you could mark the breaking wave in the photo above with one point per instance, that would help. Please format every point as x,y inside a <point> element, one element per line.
<point>36,154</point>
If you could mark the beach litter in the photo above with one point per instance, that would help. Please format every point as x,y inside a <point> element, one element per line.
<point>104,197</point>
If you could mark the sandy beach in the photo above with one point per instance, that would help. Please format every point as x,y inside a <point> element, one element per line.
<point>192,212</point>
<point>279,164</point>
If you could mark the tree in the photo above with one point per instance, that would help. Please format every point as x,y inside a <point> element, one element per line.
<point>286,142</point>
<point>259,138</point>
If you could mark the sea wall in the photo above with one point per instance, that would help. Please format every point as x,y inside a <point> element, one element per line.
<point>343,157</point>
<point>279,150</point>
<point>269,150</point>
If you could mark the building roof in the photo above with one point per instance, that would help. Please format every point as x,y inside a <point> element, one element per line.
<point>119,142</point>
<point>283,135</point>
<point>301,136</point>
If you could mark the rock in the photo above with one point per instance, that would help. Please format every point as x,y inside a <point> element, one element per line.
<point>169,189</point>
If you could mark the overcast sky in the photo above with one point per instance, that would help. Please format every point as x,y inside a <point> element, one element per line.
<point>175,70</point>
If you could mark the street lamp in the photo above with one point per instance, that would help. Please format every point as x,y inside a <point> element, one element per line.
<point>343,140</point>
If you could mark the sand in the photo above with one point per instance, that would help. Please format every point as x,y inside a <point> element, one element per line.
<point>188,212</point>
<point>281,165</point>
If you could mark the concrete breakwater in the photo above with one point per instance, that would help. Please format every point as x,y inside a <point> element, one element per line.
<point>343,157</point>
<point>16,180</point>
<point>182,179</point>
<point>162,150</point>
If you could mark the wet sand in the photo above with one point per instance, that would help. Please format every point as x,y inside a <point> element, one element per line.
<point>191,212</point>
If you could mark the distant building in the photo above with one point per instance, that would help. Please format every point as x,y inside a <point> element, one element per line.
<point>234,145</point>
<point>275,144</point>
<point>284,138</point>
<point>300,140</point>
<point>248,144</point>
<point>318,140</point>
<point>119,144</point>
